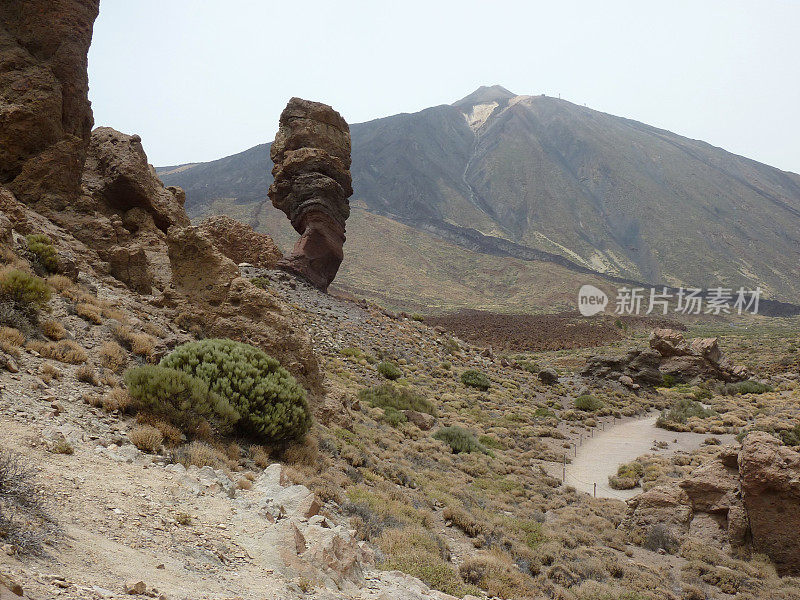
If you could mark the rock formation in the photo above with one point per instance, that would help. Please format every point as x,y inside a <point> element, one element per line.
<point>240,243</point>
<point>748,497</point>
<point>312,185</point>
<point>669,355</point>
<point>45,112</point>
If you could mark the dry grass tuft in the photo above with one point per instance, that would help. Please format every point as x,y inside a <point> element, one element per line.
<point>86,374</point>
<point>65,351</point>
<point>201,455</point>
<point>113,356</point>
<point>53,329</point>
<point>260,456</point>
<point>10,340</point>
<point>146,438</point>
<point>89,312</point>
<point>117,399</point>
<point>60,283</point>
<point>48,372</point>
<point>303,452</point>
<point>140,344</point>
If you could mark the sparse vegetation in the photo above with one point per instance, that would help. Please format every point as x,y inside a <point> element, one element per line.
<point>268,399</point>
<point>53,330</point>
<point>747,387</point>
<point>683,410</point>
<point>388,395</point>
<point>113,356</point>
<point>25,523</point>
<point>42,253</point>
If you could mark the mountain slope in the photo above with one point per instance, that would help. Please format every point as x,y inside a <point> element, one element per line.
<point>542,178</point>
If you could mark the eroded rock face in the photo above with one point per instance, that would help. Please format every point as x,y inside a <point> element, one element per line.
<point>669,354</point>
<point>45,114</point>
<point>770,483</point>
<point>240,243</point>
<point>742,497</point>
<point>312,185</point>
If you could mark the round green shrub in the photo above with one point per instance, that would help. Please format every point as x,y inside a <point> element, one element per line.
<point>393,416</point>
<point>41,247</point>
<point>588,403</point>
<point>271,403</point>
<point>476,379</point>
<point>460,440</point>
<point>24,293</point>
<point>390,370</point>
<point>178,396</point>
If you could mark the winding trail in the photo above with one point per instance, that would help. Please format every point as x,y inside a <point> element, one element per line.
<point>599,456</point>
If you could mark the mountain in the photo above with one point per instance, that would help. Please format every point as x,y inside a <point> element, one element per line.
<point>545,180</point>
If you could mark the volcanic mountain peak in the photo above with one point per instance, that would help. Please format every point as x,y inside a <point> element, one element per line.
<point>484,95</point>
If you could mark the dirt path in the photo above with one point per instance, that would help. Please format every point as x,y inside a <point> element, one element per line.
<point>599,456</point>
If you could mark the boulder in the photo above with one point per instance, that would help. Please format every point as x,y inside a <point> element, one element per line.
<point>240,243</point>
<point>423,421</point>
<point>44,108</point>
<point>312,184</point>
<point>708,348</point>
<point>548,376</point>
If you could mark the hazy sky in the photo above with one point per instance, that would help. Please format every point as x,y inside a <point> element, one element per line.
<point>202,79</point>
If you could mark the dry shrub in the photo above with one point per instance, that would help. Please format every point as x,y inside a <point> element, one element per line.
<point>201,455</point>
<point>48,372</point>
<point>89,312</point>
<point>113,356</point>
<point>233,451</point>
<point>496,573</point>
<point>53,329</point>
<point>117,399</point>
<point>140,344</point>
<point>244,483</point>
<point>260,456</point>
<point>153,330</point>
<point>10,340</point>
<point>60,283</point>
<point>464,521</point>
<point>114,313</point>
<point>303,452</point>
<point>86,374</point>
<point>65,351</point>
<point>173,436</point>
<point>146,438</point>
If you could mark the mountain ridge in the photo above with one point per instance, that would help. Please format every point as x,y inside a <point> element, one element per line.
<point>610,194</point>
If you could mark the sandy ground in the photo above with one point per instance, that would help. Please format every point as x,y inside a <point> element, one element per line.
<point>599,456</point>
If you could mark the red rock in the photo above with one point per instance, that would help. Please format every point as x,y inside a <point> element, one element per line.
<point>44,109</point>
<point>312,185</point>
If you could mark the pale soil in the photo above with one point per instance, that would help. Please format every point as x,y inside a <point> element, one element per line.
<point>599,456</point>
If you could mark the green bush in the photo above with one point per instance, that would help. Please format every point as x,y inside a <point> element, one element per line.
<point>41,247</point>
<point>476,379</point>
<point>271,403</point>
<point>24,293</point>
<point>261,282</point>
<point>417,317</point>
<point>459,440</point>
<point>388,395</point>
<point>393,416</point>
<point>588,403</point>
<point>668,381</point>
<point>682,410</point>
<point>178,396</point>
<point>747,387</point>
<point>390,370</point>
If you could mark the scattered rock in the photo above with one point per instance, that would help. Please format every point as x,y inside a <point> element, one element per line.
<point>548,376</point>
<point>240,243</point>
<point>135,586</point>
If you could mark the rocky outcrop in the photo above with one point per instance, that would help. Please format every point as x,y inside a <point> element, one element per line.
<point>124,211</point>
<point>311,153</point>
<point>45,114</point>
<point>669,355</point>
<point>212,299</point>
<point>747,497</point>
<point>240,243</point>
<point>770,485</point>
